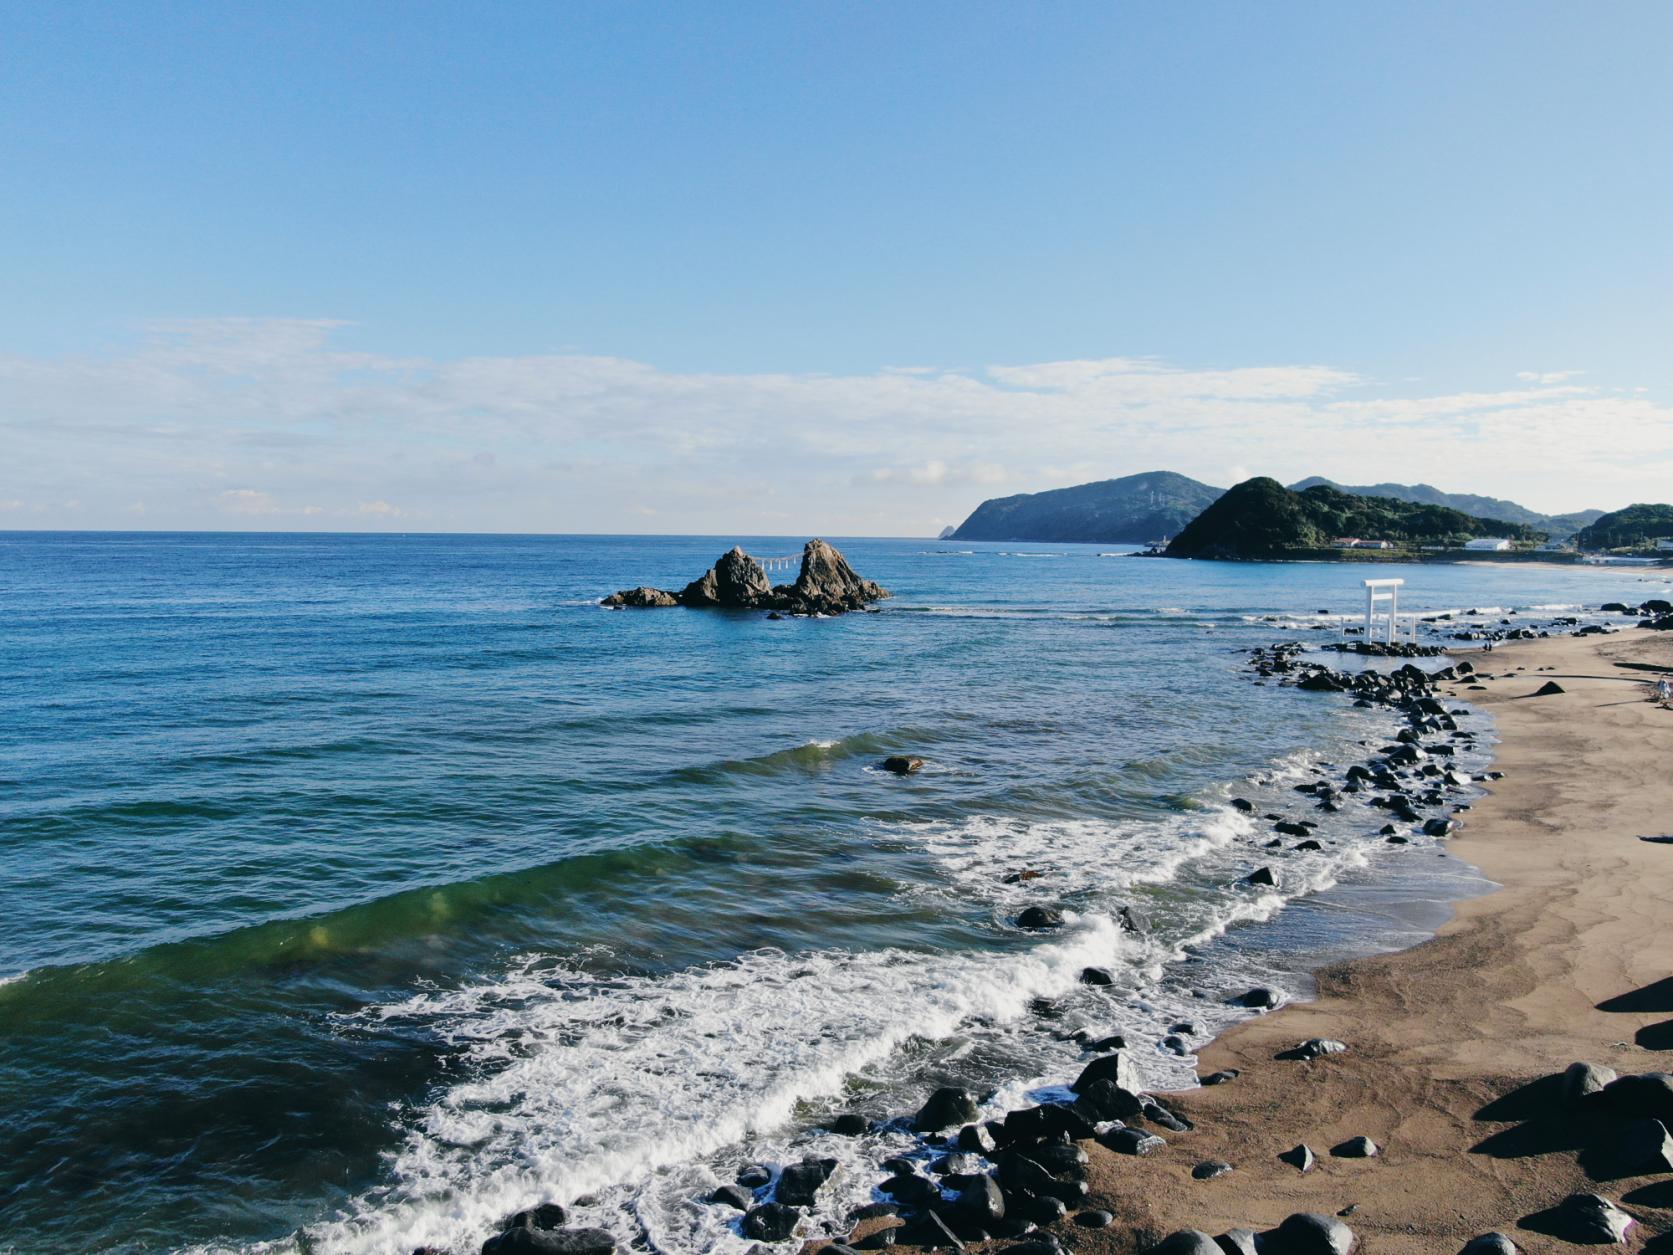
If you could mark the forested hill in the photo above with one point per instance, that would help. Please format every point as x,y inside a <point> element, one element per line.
<point>1260,518</point>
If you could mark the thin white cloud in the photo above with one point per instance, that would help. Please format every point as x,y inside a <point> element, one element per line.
<point>251,418</point>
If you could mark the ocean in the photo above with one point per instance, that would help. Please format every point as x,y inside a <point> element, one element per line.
<point>360,890</point>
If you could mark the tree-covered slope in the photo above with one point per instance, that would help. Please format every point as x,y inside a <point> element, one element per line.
<point>1555,525</point>
<point>1633,527</point>
<point>1260,518</point>
<point>1133,509</point>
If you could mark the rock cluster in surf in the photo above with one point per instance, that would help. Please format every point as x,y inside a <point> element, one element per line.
<point>825,585</point>
<point>1021,1180</point>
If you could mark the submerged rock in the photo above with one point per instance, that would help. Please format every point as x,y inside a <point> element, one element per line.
<point>1040,917</point>
<point>903,764</point>
<point>641,598</point>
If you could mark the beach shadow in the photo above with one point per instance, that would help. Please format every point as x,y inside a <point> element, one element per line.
<point>1656,1194</point>
<point>1552,1223</point>
<point>1660,1244</point>
<point>1603,1163</point>
<point>1525,1141</point>
<point>1526,1102</point>
<point>1655,1036</point>
<point>1656,996</point>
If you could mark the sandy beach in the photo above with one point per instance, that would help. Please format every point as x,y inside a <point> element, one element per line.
<point>1513,988</point>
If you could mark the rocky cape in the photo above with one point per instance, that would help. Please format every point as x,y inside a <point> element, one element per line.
<point>825,585</point>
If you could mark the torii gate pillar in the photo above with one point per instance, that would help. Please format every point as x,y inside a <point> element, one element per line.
<point>1377,594</point>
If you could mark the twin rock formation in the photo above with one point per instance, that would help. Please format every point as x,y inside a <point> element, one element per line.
<point>826,585</point>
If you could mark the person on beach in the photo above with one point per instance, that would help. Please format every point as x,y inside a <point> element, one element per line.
<point>1664,692</point>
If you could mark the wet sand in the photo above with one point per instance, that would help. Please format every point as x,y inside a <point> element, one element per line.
<point>1506,992</point>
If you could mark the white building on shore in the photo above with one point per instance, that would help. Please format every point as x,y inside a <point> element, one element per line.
<point>1491,544</point>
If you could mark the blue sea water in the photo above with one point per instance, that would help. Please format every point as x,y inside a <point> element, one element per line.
<point>359,890</point>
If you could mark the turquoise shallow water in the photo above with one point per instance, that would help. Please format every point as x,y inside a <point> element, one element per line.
<point>369,887</point>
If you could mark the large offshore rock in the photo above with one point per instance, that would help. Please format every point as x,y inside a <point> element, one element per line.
<point>735,582</point>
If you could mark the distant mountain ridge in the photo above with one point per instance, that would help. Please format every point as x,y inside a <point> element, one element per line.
<point>1134,509</point>
<point>1557,526</point>
<point>1260,518</point>
<point>1138,509</point>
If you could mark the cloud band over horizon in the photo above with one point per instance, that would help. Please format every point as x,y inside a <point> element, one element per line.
<point>268,423</point>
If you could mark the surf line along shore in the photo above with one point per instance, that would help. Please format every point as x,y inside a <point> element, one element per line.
<point>1570,960</point>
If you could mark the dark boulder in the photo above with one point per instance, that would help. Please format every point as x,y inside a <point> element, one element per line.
<point>545,1216</point>
<point>1097,976</point>
<point>771,1222</point>
<point>734,1196</point>
<point>1093,1219</point>
<point>1261,876</point>
<point>1315,1048</point>
<point>1163,1118</point>
<point>1239,1242</point>
<point>1221,1077</point>
<point>1549,689</point>
<point>980,1204</point>
<point>910,1190</point>
<point>1258,999</point>
<point>1126,1141</point>
<point>1103,1099</point>
<point>1642,1146</point>
<point>753,1176</point>
<point>521,1241</point>
<point>1209,1169</point>
<point>849,1124</point>
<point>799,1183</point>
<point>1589,1219</point>
<point>1641,1094</point>
<point>1185,1242</point>
<point>947,1106</point>
<point>1309,1233</point>
<point>1300,1157</point>
<point>931,1232</point>
<point>1582,1080</point>
<point>977,1138</point>
<point>1355,1148</point>
<point>903,764</point>
<point>1118,1067</point>
<point>1489,1244</point>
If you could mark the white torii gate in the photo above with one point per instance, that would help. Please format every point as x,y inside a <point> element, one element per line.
<point>779,564</point>
<point>1377,593</point>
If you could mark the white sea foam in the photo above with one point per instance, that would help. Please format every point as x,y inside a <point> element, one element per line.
<point>638,1094</point>
<point>587,1086</point>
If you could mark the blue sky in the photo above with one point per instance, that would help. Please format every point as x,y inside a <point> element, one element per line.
<point>840,267</point>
